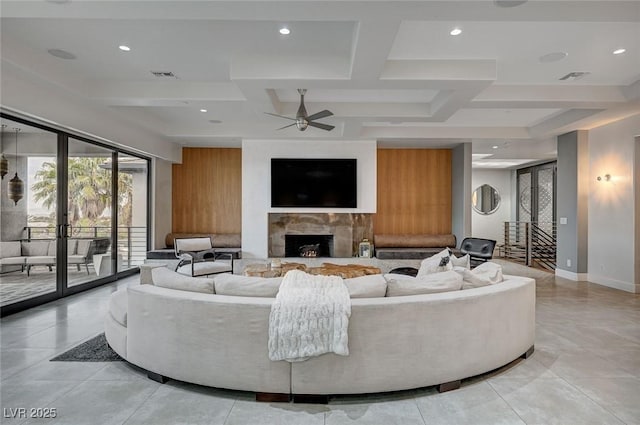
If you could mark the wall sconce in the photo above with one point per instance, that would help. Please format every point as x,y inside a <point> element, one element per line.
<point>606,178</point>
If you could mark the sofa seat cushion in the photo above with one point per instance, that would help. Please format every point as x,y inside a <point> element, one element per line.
<point>76,259</point>
<point>161,254</point>
<point>370,286</point>
<point>118,306</point>
<point>41,259</point>
<point>166,278</point>
<point>204,268</point>
<point>13,260</point>
<point>247,286</point>
<point>405,253</point>
<point>400,285</point>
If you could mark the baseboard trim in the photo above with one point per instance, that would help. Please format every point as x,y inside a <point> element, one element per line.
<point>613,283</point>
<point>578,277</point>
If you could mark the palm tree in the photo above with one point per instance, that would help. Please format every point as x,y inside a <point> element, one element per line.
<point>89,190</point>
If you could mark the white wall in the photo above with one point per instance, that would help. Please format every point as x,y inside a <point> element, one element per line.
<point>161,202</point>
<point>256,181</point>
<point>491,226</point>
<point>25,94</point>
<point>611,252</point>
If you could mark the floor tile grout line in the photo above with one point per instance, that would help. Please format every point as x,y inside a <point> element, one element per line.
<point>226,418</point>
<point>506,402</point>
<point>141,403</point>
<point>594,401</point>
<point>415,400</point>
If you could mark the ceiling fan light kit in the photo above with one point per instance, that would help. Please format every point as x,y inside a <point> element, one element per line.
<point>303,120</point>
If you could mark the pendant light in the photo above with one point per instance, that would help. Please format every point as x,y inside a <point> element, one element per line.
<point>16,186</point>
<point>4,164</point>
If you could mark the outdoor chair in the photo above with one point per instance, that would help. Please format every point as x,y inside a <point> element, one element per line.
<point>198,258</point>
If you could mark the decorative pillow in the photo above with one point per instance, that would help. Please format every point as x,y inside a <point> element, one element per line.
<point>485,274</point>
<point>166,278</point>
<point>370,286</point>
<point>428,284</point>
<point>441,262</point>
<point>464,261</point>
<point>247,286</point>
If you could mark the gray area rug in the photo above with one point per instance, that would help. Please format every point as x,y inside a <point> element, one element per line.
<point>94,350</point>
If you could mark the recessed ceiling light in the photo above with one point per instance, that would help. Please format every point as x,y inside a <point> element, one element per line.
<point>456,31</point>
<point>124,48</point>
<point>619,51</point>
<point>494,147</point>
<point>285,31</point>
<point>553,57</point>
<point>62,54</point>
<point>203,110</point>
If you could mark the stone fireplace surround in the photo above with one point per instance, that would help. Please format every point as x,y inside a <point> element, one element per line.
<point>348,230</point>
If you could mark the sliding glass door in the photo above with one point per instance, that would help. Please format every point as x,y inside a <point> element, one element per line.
<point>29,213</point>
<point>82,220</point>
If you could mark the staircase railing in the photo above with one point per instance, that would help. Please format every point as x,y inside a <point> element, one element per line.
<point>531,243</point>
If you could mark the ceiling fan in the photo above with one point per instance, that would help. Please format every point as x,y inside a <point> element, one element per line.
<point>302,120</point>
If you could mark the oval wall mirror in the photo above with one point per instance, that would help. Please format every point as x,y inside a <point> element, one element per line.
<point>485,199</point>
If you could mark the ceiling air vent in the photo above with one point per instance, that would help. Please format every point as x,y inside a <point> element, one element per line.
<point>572,76</point>
<point>164,74</point>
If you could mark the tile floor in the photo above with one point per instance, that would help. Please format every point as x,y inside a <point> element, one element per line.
<point>585,370</point>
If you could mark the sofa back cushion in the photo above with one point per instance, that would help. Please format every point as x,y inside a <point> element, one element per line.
<point>10,249</point>
<point>35,248</point>
<point>71,246</point>
<point>429,284</point>
<point>247,286</point>
<point>166,278</point>
<point>82,248</point>
<point>220,240</point>
<point>414,241</point>
<point>370,286</point>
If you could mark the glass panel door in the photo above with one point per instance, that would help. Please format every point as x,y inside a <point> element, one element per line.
<point>132,211</point>
<point>89,226</point>
<point>29,219</point>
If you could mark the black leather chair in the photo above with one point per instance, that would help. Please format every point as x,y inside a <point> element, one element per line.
<point>479,250</point>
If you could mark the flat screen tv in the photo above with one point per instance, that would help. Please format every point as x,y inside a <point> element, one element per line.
<point>309,183</point>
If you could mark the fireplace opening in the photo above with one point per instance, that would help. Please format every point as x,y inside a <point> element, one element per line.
<point>308,245</point>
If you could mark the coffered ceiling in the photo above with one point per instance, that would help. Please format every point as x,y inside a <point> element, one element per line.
<point>388,70</point>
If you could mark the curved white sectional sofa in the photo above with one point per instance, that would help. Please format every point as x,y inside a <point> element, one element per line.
<point>395,343</point>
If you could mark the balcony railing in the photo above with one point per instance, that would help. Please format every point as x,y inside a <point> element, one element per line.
<point>531,243</point>
<point>132,240</point>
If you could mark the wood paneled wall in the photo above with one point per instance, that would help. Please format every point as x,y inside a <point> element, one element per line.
<point>414,191</point>
<point>207,191</point>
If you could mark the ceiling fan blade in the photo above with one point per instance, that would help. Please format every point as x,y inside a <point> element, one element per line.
<point>290,125</point>
<point>322,126</point>
<point>318,115</point>
<point>280,116</point>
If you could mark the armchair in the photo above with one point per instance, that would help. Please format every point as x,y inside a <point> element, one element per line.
<point>479,250</point>
<point>198,258</point>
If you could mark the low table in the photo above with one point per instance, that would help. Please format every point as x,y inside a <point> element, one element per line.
<point>346,271</point>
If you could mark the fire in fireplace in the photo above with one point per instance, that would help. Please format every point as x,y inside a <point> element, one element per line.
<point>308,245</point>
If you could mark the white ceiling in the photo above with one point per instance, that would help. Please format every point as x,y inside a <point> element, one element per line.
<point>388,70</point>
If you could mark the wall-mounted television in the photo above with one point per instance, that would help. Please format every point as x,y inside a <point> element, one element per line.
<point>314,182</point>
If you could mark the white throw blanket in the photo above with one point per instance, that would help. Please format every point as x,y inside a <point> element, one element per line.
<point>309,317</point>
